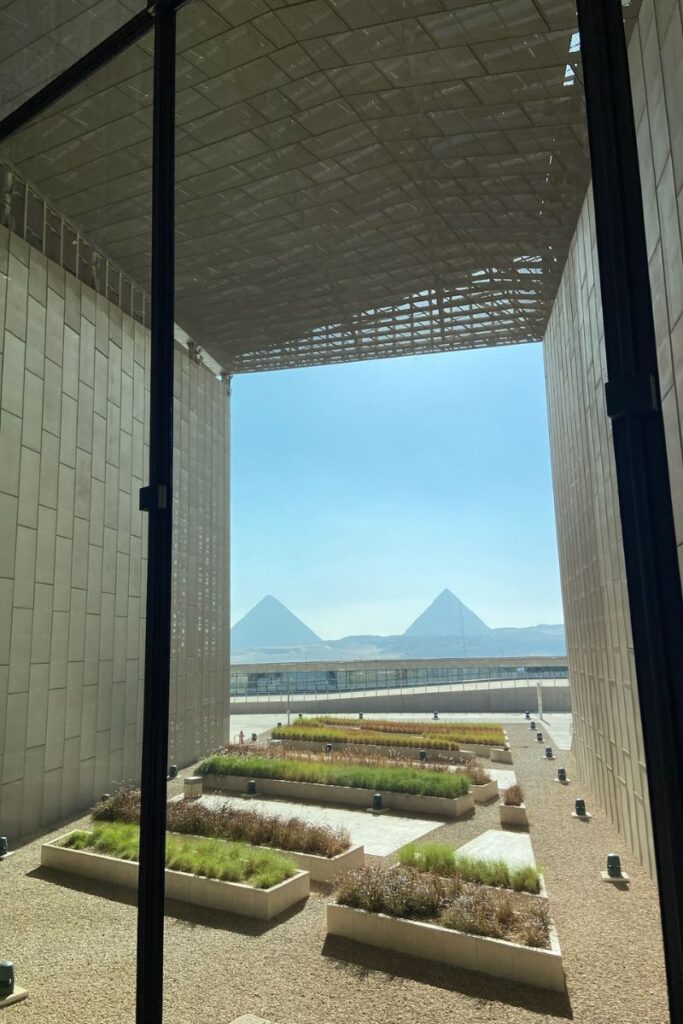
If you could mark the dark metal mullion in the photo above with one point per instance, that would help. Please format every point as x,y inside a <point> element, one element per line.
<point>634,405</point>
<point>156,499</point>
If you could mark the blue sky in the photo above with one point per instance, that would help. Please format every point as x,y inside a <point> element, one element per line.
<point>360,491</point>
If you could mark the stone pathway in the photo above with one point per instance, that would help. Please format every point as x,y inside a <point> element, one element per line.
<point>512,847</point>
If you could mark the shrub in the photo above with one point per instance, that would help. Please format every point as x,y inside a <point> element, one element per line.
<point>513,796</point>
<point>190,817</point>
<point>477,775</point>
<point>443,860</point>
<point>407,893</point>
<point>211,858</point>
<point>395,779</point>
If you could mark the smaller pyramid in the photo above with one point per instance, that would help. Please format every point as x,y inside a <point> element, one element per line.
<point>447,616</point>
<point>270,624</point>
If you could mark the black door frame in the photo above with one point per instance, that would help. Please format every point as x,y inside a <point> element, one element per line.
<point>633,404</point>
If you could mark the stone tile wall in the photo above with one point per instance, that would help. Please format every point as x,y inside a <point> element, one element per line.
<point>607,732</point>
<point>74,417</point>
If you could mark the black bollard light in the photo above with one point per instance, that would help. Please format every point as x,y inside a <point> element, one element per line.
<point>6,978</point>
<point>4,846</point>
<point>254,737</point>
<point>360,714</point>
<point>328,748</point>
<point>105,797</point>
<point>435,716</point>
<point>527,714</point>
<point>539,737</point>
<point>423,754</point>
<point>614,865</point>
<point>279,725</point>
<point>532,724</point>
<point>561,774</point>
<point>251,787</point>
<point>173,771</point>
<point>549,752</point>
<point>580,807</point>
<point>377,802</point>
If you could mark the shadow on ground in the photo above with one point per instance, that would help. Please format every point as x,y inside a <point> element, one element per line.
<point>362,960</point>
<point>187,913</point>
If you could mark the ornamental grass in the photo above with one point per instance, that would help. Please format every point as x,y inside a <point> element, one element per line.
<point>389,778</point>
<point>448,735</point>
<point>210,858</point>
<point>405,892</point>
<point>443,860</point>
<point>472,732</point>
<point>190,817</point>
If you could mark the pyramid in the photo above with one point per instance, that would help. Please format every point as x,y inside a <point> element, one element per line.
<point>447,616</point>
<point>270,624</point>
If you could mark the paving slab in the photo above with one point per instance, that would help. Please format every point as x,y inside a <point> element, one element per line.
<point>559,727</point>
<point>513,847</point>
<point>505,777</point>
<point>249,1018</point>
<point>380,834</point>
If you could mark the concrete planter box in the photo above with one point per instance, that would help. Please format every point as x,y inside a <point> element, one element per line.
<point>501,755</point>
<point>233,897</point>
<point>482,794</point>
<point>510,815</point>
<point>325,869</point>
<point>349,796</point>
<point>368,748</point>
<point>522,964</point>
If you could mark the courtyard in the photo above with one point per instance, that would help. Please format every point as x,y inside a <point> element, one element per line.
<point>73,940</point>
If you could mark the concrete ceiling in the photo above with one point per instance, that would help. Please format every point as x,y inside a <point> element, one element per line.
<point>355,178</point>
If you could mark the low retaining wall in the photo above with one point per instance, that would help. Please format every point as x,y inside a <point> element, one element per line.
<point>522,964</point>
<point>326,870</point>
<point>501,755</point>
<point>234,897</point>
<point>499,698</point>
<point>349,796</point>
<point>513,814</point>
<point>482,794</point>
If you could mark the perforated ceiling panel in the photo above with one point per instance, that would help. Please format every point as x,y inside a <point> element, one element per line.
<point>355,178</point>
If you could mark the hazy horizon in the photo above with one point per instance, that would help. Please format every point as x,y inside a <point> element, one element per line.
<point>361,491</point>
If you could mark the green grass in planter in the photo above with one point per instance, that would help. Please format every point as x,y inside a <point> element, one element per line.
<point>443,860</point>
<point>210,858</point>
<point>390,779</point>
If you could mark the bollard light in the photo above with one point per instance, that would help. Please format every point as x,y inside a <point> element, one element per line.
<point>251,787</point>
<point>539,737</point>
<point>377,802</point>
<point>561,774</point>
<point>527,714</point>
<point>548,751</point>
<point>254,737</point>
<point>423,754</point>
<point>435,716</point>
<point>6,978</point>
<point>301,714</point>
<point>279,725</point>
<point>614,865</point>
<point>532,724</point>
<point>360,714</point>
<point>580,807</point>
<point>4,846</point>
<point>105,797</point>
<point>173,771</point>
<point>328,748</point>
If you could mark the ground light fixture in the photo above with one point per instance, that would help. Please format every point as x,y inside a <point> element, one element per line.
<point>6,978</point>
<point>561,774</point>
<point>105,797</point>
<point>254,737</point>
<point>527,714</point>
<point>377,801</point>
<point>614,873</point>
<point>4,846</point>
<point>532,724</point>
<point>279,725</point>
<point>435,716</point>
<point>539,737</point>
<point>328,748</point>
<point>251,787</point>
<point>423,754</point>
<point>360,714</point>
<point>580,810</point>
<point>549,753</point>
<point>173,771</point>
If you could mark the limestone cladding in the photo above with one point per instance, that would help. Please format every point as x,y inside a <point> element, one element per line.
<point>607,729</point>
<point>74,423</point>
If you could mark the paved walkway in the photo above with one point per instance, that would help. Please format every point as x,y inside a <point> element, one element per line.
<point>512,847</point>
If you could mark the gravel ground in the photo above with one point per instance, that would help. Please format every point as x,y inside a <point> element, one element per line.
<point>73,942</point>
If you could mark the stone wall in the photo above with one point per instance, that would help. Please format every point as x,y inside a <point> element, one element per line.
<point>74,418</point>
<point>607,732</point>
